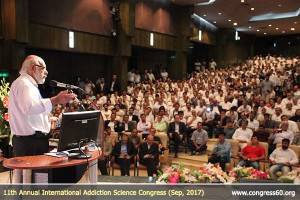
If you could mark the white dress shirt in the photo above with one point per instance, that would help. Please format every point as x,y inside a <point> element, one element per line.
<point>283,156</point>
<point>254,125</point>
<point>143,126</point>
<point>241,134</point>
<point>27,110</point>
<point>278,137</point>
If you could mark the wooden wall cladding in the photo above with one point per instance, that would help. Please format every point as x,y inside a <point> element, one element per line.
<point>207,37</point>
<point>8,19</point>
<point>155,16</point>
<point>48,37</point>
<point>91,16</point>
<point>161,41</point>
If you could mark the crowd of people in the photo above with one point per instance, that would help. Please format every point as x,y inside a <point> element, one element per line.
<point>252,102</point>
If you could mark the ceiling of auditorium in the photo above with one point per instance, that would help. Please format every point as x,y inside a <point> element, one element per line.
<point>224,13</point>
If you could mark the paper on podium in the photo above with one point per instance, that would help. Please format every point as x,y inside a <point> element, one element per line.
<point>54,153</point>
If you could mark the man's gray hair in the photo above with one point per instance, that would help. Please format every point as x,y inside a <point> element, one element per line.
<point>29,61</point>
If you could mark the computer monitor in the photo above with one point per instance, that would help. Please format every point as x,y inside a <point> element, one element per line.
<point>77,126</point>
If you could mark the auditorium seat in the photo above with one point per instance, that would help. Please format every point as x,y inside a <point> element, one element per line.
<point>139,166</point>
<point>114,166</point>
<point>115,136</point>
<point>163,137</point>
<point>264,164</point>
<point>164,140</point>
<point>235,148</point>
<point>263,134</point>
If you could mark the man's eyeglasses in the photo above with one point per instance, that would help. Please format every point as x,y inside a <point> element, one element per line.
<point>40,66</point>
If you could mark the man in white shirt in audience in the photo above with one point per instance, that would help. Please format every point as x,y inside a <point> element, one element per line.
<point>277,116</point>
<point>253,124</point>
<point>289,110</point>
<point>164,74</point>
<point>282,159</point>
<point>293,126</point>
<point>130,76</point>
<point>245,108</point>
<point>280,134</point>
<point>143,126</point>
<point>288,99</point>
<point>243,134</point>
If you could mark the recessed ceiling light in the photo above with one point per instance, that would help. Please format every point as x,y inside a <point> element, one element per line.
<point>265,33</point>
<point>242,1</point>
<point>283,31</point>
<point>229,20</point>
<point>204,15</point>
<point>215,22</point>
<point>295,22</point>
<point>279,5</point>
<point>219,13</point>
<point>277,28</point>
<point>292,29</point>
<point>252,9</point>
<point>257,30</point>
<point>270,25</point>
<point>250,27</point>
<point>234,24</point>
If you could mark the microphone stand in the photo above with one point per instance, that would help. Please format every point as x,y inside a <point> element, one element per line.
<point>82,108</point>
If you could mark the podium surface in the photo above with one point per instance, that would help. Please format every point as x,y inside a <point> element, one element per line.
<point>50,162</point>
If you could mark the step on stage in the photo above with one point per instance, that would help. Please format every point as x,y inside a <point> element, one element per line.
<point>125,179</point>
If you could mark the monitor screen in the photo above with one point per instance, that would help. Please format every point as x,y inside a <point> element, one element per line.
<point>77,126</point>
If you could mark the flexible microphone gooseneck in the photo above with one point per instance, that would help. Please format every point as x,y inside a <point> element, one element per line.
<point>69,87</point>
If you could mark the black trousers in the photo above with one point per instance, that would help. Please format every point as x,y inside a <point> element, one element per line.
<point>29,145</point>
<point>177,140</point>
<point>201,149</point>
<point>102,165</point>
<point>189,132</point>
<point>151,164</point>
<point>271,148</point>
<point>124,166</point>
<point>217,159</point>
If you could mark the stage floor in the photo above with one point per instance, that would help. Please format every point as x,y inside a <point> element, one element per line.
<point>125,179</point>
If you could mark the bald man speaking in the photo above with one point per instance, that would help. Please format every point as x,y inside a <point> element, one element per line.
<point>29,112</point>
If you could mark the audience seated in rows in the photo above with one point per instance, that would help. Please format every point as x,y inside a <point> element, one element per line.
<point>257,97</point>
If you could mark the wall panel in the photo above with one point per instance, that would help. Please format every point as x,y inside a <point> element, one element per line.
<point>91,16</point>
<point>47,37</point>
<point>155,16</point>
<point>161,41</point>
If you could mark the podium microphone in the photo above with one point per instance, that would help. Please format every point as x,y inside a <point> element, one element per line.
<point>69,87</point>
<point>54,83</point>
